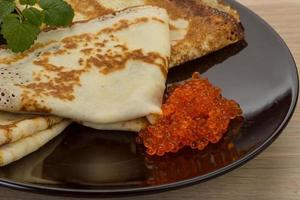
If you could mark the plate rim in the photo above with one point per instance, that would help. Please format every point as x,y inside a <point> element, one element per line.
<point>187,182</point>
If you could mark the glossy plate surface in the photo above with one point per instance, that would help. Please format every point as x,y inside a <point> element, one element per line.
<point>259,73</point>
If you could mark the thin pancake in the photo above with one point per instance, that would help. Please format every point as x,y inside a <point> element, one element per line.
<point>94,71</point>
<point>14,127</point>
<point>30,168</point>
<point>198,27</point>
<point>220,26</point>
<point>132,125</point>
<point>16,150</point>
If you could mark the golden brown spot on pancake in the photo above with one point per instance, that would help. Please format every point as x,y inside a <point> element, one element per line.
<point>215,34</point>
<point>54,88</point>
<point>44,62</point>
<point>72,41</point>
<point>7,131</point>
<point>47,76</point>
<point>100,44</point>
<point>38,78</point>
<point>80,61</point>
<point>29,104</point>
<point>47,53</point>
<point>122,47</point>
<point>47,28</point>
<point>223,6</point>
<point>124,24</point>
<point>7,128</point>
<point>61,86</point>
<point>89,8</point>
<point>172,27</point>
<point>209,29</point>
<point>50,122</point>
<point>87,51</point>
<point>20,56</point>
<point>70,45</point>
<point>115,61</point>
<point>60,52</point>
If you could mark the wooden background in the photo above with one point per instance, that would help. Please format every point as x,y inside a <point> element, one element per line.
<point>275,174</point>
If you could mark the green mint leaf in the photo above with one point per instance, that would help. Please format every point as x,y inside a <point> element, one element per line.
<point>19,35</point>
<point>6,7</point>
<point>28,2</point>
<point>33,16</point>
<point>57,12</point>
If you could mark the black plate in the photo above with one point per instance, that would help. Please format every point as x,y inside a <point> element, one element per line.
<point>260,74</point>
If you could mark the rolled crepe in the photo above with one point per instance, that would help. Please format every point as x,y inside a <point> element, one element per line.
<point>17,150</point>
<point>198,27</point>
<point>103,71</point>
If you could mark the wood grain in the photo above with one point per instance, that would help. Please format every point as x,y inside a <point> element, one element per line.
<point>275,174</point>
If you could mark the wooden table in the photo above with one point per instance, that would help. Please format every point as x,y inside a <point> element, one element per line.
<point>275,174</point>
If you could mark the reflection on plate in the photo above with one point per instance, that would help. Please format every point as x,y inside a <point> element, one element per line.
<point>89,158</point>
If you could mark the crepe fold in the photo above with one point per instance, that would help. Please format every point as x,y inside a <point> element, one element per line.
<point>14,127</point>
<point>22,134</point>
<point>103,71</point>
<point>30,168</point>
<point>26,135</point>
<point>197,27</point>
<point>134,125</point>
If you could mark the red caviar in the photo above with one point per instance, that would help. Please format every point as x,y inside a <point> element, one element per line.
<point>194,114</point>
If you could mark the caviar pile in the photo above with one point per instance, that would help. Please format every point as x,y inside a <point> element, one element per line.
<point>194,114</point>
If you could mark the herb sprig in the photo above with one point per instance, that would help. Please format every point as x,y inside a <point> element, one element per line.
<point>20,28</point>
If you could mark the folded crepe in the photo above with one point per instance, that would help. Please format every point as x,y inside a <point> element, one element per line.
<point>103,71</point>
<point>14,127</point>
<point>16,150</point>
<point>133,125</point>
<point>22,134</point>
<point>30,168</point>
<point>198,27</point>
